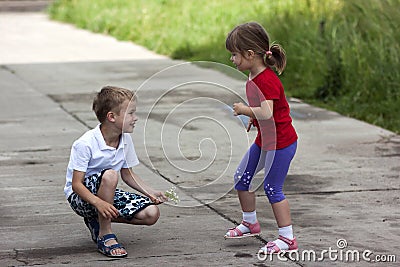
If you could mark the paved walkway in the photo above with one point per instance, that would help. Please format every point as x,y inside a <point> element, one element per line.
<point>343,185</point>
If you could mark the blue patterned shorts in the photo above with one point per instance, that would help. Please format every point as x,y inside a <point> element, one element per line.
<point>127,203</point>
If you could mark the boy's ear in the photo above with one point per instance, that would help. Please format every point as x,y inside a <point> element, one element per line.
<point>111,116</point>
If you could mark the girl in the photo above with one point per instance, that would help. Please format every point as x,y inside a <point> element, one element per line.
<point>276,141</point>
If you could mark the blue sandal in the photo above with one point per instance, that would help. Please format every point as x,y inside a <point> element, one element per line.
<point>106,250</point>
<point>94,228</point>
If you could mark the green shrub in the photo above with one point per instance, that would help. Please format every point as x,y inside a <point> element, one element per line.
<point>342,54</point>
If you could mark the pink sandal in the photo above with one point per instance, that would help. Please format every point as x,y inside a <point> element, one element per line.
<point>272,247</point>
<point>236,233</point>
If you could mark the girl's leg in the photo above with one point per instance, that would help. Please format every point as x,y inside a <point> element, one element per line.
<point>248,167</point>
<point>277,165</point>
<point>282,213</point>
<point>251,164</point>
<point>247,200</point>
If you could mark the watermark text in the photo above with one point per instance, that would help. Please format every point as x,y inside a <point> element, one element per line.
<point>340,253</point>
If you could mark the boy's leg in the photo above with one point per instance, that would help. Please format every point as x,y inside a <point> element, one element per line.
<point>135,209</point>
<point>102,184</point>
<point>106,192</point>
<point>147,216</point>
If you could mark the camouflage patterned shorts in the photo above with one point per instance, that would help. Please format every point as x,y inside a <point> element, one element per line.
<point>127,203</point>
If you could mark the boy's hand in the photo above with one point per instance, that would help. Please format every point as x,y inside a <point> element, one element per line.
<point>107,210</point>
<point>158,197</point>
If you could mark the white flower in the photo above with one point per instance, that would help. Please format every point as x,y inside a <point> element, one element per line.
<point>172,195</point>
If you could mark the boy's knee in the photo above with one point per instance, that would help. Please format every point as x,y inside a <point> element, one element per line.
<point>152,214</point>
<point>110,177</point>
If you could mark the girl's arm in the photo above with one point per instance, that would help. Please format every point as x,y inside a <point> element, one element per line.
<point>263,112</point>
<point>104,208</point>
<point>134,181</point>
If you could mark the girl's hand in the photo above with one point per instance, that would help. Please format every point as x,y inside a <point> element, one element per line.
<point>238,108</point>
<point>249,124</point>
<point>107,210</point>
<point>158,197</point>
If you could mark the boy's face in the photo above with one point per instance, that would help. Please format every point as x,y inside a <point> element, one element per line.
<point>127,116</point>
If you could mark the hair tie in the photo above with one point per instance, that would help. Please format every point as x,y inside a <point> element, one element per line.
<point>268,53</point>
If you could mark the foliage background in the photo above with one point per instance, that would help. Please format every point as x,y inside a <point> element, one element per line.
<point>342,54</point>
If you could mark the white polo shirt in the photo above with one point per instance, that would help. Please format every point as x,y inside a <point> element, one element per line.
<point>91,155</point>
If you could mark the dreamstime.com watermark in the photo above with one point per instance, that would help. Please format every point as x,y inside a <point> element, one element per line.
<point>339,254</point>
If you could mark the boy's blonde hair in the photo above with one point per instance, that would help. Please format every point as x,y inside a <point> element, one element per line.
<point>110,98</point>
<point>253,36</point>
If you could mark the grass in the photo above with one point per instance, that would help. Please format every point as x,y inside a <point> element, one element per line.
<point>342,54</point>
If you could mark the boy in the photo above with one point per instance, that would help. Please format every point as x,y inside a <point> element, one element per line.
<point>97,158</point>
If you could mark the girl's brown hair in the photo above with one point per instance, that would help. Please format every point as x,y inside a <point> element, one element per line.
<point>252,36</point>
<point>110,98</point>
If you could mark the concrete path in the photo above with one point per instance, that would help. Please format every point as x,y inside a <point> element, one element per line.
<point>343,185</point>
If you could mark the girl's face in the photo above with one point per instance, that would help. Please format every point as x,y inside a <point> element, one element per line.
<point>242,63</point>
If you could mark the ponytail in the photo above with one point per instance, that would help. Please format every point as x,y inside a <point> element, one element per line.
<point>277,58</point>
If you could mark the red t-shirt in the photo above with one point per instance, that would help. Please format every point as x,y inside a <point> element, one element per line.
<point>277,132</point>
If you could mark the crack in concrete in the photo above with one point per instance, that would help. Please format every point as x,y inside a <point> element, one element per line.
<point>344,191</point>
<point>73,115</point>
<point>219,213</point>
<point>16,257</point>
